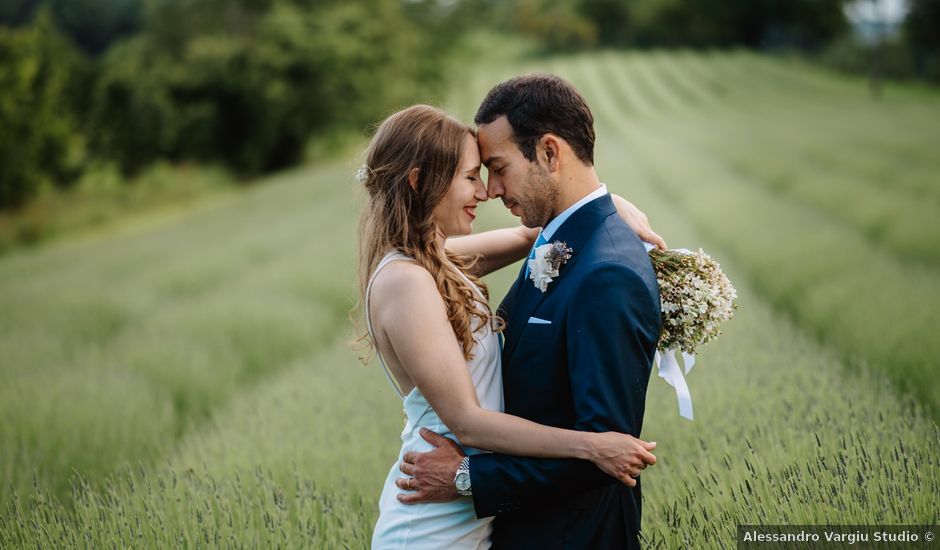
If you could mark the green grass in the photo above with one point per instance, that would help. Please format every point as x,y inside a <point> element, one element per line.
<point>195,371</point>
<point>852,260</point>
<point>294,460</point>
<point>114,347</point>
<point>103,197</point>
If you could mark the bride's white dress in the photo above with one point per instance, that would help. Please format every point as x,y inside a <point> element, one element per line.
<point>451,525</point>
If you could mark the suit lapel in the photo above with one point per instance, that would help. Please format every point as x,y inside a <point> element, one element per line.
<point>574,232</point>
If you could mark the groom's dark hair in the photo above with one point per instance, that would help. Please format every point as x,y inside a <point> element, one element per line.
<point>538,104</point>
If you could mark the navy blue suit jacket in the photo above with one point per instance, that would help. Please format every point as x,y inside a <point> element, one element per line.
<point>587,370</point>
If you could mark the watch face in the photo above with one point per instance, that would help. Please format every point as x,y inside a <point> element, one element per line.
<point>462,481</point>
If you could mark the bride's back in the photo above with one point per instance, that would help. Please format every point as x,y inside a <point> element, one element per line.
<point>396,271</point>
<point>439,525</point>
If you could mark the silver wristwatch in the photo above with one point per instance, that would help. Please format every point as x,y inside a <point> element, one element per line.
<point>462,478</point>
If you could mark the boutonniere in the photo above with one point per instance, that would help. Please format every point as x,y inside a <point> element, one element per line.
<point>548,259</point>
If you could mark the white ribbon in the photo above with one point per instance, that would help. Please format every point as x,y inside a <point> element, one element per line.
<point>668,367</point>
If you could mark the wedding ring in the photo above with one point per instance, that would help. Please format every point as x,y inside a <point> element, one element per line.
<point>410,479</point>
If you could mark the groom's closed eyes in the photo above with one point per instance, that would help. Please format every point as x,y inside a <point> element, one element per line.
<point>496,168</point>
<point>491,161</point>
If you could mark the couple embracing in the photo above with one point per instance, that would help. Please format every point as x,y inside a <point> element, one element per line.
<point>522,425</point>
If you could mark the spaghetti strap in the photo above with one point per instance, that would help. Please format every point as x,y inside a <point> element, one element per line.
<point>389,258</point>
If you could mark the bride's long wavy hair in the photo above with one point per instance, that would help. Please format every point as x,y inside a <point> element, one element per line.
<point>397,216</point>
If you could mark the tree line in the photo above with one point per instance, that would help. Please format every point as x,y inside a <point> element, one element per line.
<point>246,83</point>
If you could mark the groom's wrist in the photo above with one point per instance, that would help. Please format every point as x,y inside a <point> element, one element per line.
<point>462,478</point>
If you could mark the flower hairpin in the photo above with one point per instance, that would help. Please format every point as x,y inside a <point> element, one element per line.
<point>548,260</point>
<point>362,174</point>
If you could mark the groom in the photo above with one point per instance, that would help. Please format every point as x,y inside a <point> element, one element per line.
<point>578,354</point>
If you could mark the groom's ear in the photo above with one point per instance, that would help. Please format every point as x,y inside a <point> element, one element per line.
<point>549,151</point>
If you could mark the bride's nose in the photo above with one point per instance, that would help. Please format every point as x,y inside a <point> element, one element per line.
<point>479,192</point>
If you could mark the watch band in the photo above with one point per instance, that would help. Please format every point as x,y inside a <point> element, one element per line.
<point>462,478</point>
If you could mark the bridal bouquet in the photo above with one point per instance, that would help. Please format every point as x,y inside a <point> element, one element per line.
<point>696,297</point>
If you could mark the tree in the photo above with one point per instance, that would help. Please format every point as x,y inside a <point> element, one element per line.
<point>922,32</point>
<point>247,84</point>
<point>922,24</point>
<point>39,138</point>
<point>93,25</point>
<point>805,24</point>
<point>612,20</point>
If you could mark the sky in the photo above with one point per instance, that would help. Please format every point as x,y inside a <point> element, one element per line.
<point>886,11</point>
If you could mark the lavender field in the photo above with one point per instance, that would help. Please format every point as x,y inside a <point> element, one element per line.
<point>188,381</point>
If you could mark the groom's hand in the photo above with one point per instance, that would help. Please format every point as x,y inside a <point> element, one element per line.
<point>433,472</point>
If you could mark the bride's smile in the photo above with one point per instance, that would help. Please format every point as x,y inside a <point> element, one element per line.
<point>455,213</point>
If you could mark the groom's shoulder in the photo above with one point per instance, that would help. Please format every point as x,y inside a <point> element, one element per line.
<point>614,243</point>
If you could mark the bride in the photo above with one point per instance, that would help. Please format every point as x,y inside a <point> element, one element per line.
<point>427,316</point>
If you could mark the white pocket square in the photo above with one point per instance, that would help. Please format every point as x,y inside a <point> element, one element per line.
<point>537,321</point>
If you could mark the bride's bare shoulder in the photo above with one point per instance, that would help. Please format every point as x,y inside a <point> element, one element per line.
<point>403,281</point>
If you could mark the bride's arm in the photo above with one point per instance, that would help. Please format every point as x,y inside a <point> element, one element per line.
<point>409,310</point>
<point>497,248</point>
<point>501,247</point>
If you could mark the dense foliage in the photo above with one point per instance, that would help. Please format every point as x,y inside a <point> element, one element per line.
<point>250,98</point>
<point>922,35</point>
<point>803,24</point>
<point>92,24</point>
<point>39,143</point>
<point>245,83</point>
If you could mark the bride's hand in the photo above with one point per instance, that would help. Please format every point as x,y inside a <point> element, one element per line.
<point>637,221</point>
<point>621,456</point>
